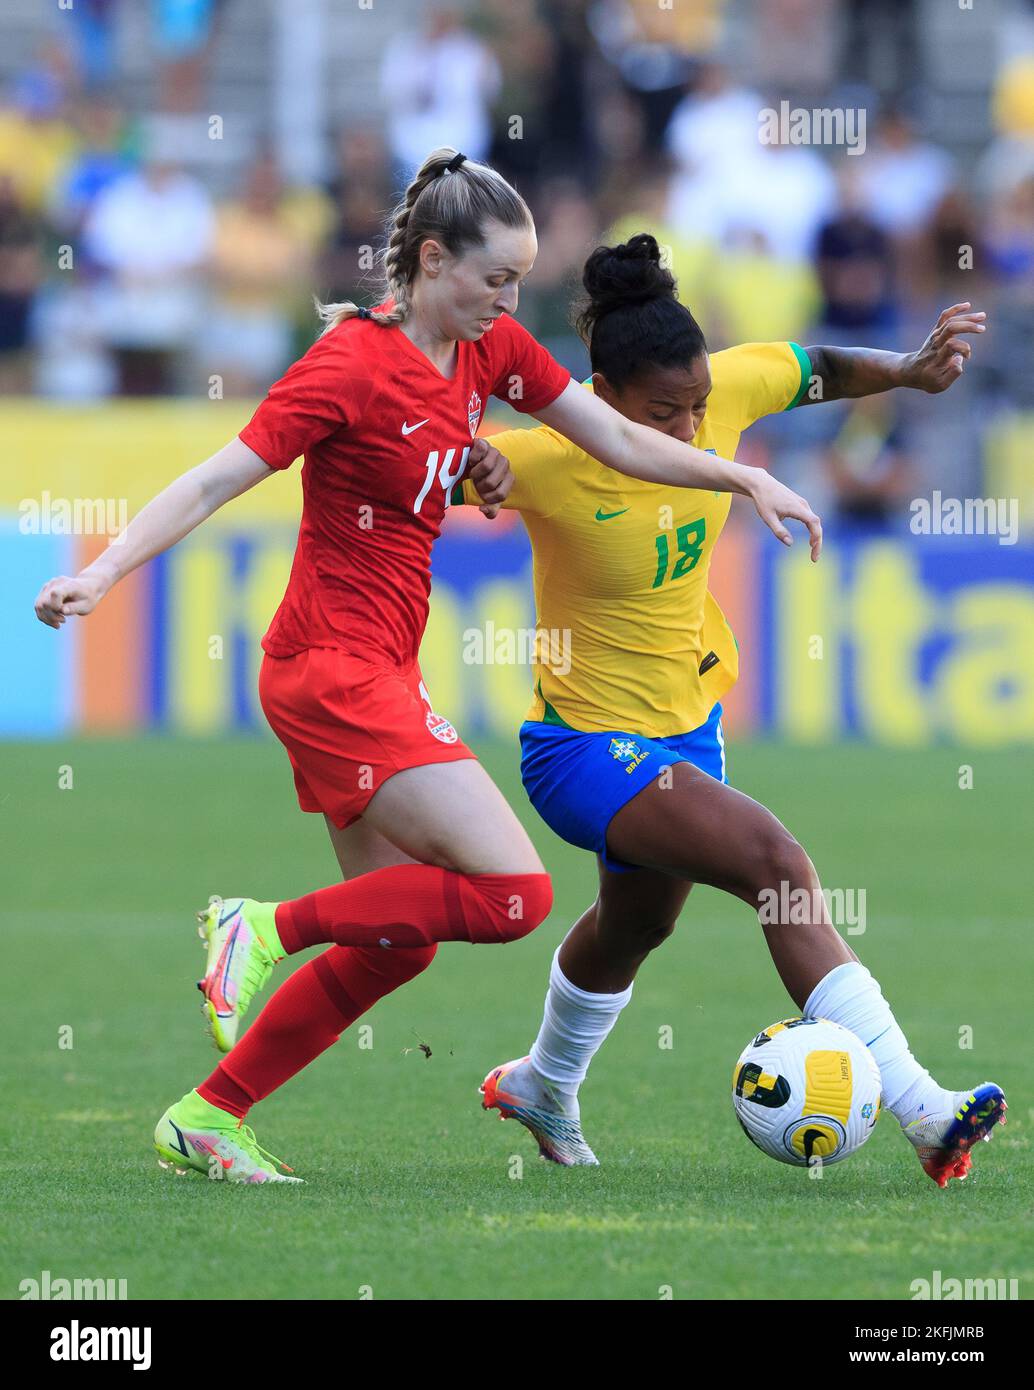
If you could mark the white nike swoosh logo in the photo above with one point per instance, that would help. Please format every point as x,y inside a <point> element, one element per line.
<point>408,429</point>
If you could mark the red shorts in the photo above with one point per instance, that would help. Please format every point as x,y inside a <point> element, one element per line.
<point>348,725</point>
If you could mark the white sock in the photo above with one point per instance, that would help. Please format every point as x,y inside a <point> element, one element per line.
<point>850,996</point>
<point>574,1027</point>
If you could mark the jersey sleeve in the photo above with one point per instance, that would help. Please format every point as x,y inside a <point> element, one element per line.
<point>314,398</point>
<point>541,461</point>
<point>756,379</point>
<point>526,376</point>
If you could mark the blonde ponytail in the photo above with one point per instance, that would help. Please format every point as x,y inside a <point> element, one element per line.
<point>450,199</point>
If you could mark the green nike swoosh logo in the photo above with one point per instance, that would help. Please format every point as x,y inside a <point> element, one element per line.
<point>609,516</point>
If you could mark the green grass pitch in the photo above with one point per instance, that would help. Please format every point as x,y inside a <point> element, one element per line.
<point>411,1190</point>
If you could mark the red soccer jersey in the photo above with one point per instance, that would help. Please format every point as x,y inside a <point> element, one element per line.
<point>385,438</point>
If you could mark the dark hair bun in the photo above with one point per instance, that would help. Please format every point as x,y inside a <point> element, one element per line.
<point>631,319</point>
<point>616,276</point>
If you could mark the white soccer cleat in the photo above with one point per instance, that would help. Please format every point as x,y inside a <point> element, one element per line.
<point>944,1139</point>
<point>518,1092</point>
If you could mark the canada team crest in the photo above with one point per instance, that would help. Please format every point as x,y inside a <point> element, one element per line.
<point>474,413</point>
<point>441,728</point>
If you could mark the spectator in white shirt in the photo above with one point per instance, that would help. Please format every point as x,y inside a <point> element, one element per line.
<point>149,236</point>
<point>438,85</point>
<point>902,178</point>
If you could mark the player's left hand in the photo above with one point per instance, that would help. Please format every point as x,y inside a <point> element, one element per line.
<point>942,358</point>
<point>491,474</point>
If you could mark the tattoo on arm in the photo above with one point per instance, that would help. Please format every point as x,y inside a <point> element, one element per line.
<point>845,373</point>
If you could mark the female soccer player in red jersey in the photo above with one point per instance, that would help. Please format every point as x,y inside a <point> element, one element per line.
<point>384,407</point>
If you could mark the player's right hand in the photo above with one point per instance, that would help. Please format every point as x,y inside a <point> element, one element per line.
<point>61,597</point>
<point>491,475</point>
<point>775,502</point>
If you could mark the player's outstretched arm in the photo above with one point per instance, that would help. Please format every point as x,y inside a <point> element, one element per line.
<point>166,519</point>
<point>849,372</point>
<point>642,452</point>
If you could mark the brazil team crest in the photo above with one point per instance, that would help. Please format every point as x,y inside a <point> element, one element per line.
<point>628,752</point>
<point>474,413</point>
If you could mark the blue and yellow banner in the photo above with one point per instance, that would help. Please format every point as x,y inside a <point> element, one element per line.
<point>896,638</point>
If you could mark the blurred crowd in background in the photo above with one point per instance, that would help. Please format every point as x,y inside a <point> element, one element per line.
<point>128,268</point>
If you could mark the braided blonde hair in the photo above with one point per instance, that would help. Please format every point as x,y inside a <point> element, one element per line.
<point>450,199</point>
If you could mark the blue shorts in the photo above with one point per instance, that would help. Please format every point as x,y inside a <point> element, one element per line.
<point>578,782</point>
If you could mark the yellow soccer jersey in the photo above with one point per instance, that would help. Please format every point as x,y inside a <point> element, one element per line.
<point>621,565</point>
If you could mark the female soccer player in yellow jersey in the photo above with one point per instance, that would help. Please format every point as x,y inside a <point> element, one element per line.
<point>622,754</point>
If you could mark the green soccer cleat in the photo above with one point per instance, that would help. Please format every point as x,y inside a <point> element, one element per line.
<point>243,946</point>
<point>192,1134</point>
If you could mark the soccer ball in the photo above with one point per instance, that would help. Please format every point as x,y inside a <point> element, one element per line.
<point>807,1091</point>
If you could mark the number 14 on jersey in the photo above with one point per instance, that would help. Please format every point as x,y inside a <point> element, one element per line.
<point>446,477</point>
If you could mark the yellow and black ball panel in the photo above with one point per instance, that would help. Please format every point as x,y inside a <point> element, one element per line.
<point>814,1137</point>
<point>751,1082</point>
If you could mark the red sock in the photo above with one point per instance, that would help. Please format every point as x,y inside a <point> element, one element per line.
<point>305,1016</point>
<point>414,905</point>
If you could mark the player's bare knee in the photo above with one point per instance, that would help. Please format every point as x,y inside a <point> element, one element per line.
<point>653,934</point>
<point>442,854</point>
<point>445,853</point>
<point>639,935</point>
<point>780,859</point>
